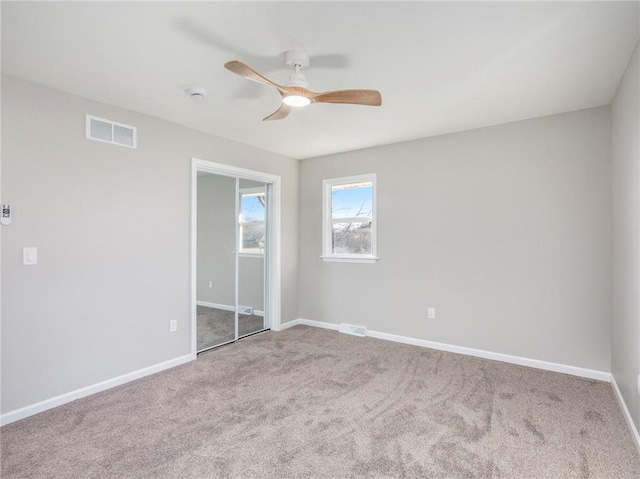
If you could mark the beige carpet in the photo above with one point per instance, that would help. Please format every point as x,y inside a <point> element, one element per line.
<point>312,403</point>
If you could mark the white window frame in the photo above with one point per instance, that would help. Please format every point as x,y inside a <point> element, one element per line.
<point>250,192</point>
<point>327,253</point>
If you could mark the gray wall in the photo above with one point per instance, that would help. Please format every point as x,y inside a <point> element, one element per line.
<point>625,142</point>
<point>112,228</point>
<point>504,230</point>
<point>216,244</point>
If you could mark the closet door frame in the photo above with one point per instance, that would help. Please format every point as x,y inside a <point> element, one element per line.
<point>272,259</point>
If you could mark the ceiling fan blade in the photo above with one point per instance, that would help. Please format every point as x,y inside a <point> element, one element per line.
<point>280,113</point>
<point>354,97</point>
<point>249,73</point>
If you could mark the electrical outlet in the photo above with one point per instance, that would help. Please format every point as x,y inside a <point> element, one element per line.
<point>173,325</point>
<point>210,284</point>
<point>431,313</point>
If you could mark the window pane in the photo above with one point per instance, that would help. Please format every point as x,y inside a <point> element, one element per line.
<point>252,237</point>
<point>352,201</point>
<point>351,238</point>
<point>252,207</point>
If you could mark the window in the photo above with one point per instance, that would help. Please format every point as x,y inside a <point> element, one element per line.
<point>252,220</point>
<point>349,219</point>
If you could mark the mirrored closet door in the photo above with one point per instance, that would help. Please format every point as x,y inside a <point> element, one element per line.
<point>232,223</point>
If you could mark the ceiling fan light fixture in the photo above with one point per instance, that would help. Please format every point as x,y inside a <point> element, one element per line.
<point>296,100</point>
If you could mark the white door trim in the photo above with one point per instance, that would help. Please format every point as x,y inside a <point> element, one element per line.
<point>272,303</point>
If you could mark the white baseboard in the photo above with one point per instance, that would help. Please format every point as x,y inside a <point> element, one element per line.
<point>56,401</point>
<point>506,358</point>
<point>625,412</point>
<point>289,324</point>
<point>479,353</point>
<point>225,307</point>
<point>319,324</point>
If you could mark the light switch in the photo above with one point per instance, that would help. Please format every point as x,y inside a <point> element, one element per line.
<point>29,256</point>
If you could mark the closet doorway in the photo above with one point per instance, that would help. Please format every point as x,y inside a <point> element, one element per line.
<point>235,254</point>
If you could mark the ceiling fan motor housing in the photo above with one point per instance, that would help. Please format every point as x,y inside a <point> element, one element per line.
<point>297,58</point>
<point>298,80</point>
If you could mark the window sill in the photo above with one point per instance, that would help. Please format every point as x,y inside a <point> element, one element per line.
<point>251,255</point>
<point>349,259</point>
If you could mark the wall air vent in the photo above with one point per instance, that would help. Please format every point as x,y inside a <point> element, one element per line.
<point>245,310</point>
<point>111,132</point>
<point>354,330</point>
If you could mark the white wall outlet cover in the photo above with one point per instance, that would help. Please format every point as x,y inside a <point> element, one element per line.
<point>29,256</point>
<point>173,325</point>
<point>431,313</point>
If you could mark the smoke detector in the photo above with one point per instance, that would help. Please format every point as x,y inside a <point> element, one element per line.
<point>196,93</point>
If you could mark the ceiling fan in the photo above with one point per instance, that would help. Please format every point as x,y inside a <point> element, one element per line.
<point>295,92</point>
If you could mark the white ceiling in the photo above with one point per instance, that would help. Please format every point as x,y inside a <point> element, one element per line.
<point>440,66</point>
